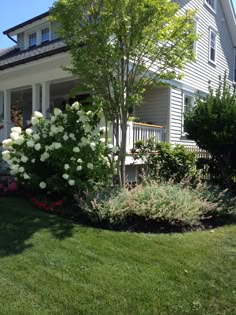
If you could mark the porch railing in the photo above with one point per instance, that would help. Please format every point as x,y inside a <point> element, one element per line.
<point>140,131</point>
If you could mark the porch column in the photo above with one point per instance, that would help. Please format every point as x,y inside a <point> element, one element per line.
<point>1,105</point>
<point>7,112</point>
<point>35,97</point>
<point>45,98</point>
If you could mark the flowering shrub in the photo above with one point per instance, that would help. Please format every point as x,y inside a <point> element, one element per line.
<point>63,154</point>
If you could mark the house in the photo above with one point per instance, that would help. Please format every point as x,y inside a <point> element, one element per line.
<point>32,78</point>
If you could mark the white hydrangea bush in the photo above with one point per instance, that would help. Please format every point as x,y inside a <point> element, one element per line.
<point>64,154</point>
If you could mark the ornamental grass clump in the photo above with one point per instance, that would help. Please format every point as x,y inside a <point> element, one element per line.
<point>61,155</point>
<point>165,204</point>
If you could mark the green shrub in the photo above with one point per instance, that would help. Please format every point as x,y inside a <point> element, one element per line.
<point>166,162</point>
<point>161,203</point>
<point>63,155</point>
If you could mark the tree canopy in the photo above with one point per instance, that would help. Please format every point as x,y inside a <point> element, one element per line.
<point>120,47</point>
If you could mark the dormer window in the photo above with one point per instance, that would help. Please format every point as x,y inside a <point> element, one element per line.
<point>45,34</point>
<point>32,39</point>
<point>211,4</point>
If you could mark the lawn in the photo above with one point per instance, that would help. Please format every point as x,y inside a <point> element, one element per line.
<point>51,266</point>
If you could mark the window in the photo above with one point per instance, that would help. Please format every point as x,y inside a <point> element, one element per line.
<point>212,46</point>
<point>45,34</point>
<point>32,39</point>
<point>188,102</point>
<point>211,4</point>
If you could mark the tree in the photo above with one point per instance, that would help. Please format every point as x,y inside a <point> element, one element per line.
<point>212,124</point>
<point>120,47</point>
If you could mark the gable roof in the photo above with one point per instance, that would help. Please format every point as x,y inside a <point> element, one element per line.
<point>30,21</point>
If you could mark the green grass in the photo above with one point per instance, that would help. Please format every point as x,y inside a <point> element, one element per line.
<point>51,266</point>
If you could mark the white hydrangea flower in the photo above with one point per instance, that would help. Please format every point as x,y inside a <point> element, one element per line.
<point>14,135</point>
<point>21,169</point>
<point>60,129</point>
<point>66,166</point>
<point>26,176</point>
<point>114,149</point>
<point>65,137</point>
<point>7,143</point>
<point>72,136</point>
<point>71,182</point>
<point>24,159</point>
<point>30,143</point>
<point>16,129</point>
<point>76,149</point>
<point>38,114</point>
<point>57,111</point>
<point>87,128</point>
<point>36,137</point>
<point>6,155</point>
<point>20,140</point>
<point>90,166</point>
<point>75,105</point>
<point>79,161</point>
<point>79,168</point>
<point>110,146</point>
<point>33,161</point>
<point>29,131</point>
<point>53,118</point>
<point>65,176</point>
<point>103,140</point>
<point>93,146</point>
<point>42,185</point>
<point>34,121</point>
<point>37,146</point>
<point>57,145</point>
<point>44,156</point>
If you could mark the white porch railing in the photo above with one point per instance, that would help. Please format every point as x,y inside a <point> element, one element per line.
<point>140,131</point>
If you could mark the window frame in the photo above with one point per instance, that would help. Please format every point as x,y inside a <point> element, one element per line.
<point>212,31</point>
<point>29,39</point>
<point>48,33</point>
<point>189,95</point>
<point>212,8</point>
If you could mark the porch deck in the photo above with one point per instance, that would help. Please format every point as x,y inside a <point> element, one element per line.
<point>135,132</point>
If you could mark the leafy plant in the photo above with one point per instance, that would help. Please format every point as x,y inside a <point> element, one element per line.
<point>212,124</point>
<point>115,45</point>
<point>166,204</point>
<point>164,161</point>
<point>63,154</point>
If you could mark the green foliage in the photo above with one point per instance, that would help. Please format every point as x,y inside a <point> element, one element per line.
<point>212,124</point>
<point>164,161</point>
<point>167,204</point>
<point>63,154</point>
<point>112,43</point>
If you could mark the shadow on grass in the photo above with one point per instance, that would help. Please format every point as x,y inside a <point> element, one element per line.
<point>19,221</point>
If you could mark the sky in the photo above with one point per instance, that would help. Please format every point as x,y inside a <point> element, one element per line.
<point>14,12</point>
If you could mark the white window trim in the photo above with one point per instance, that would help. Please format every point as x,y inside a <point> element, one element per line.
<point>210,7</point>
<point>38,31</point>
<point>28,39</point>
<point>234,73</point>
<point>211,30</point>
<point>195,45</point>
<point>190,95</point>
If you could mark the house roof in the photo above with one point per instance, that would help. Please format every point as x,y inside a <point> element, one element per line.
<point>36,18</point>
<point>14,56</point>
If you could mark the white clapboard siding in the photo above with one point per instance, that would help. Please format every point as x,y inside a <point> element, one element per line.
<point>155,107</point>
<point>176,113</point>
<point>200,72</point>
